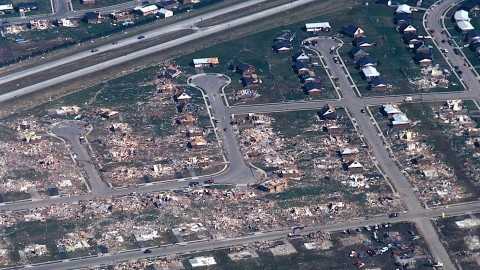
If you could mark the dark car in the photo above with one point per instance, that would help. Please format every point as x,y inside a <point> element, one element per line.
<point>147,251</point>
<point>209,181</point>
<point>193,184</point>
<point>141,37</point>
<point>393,215</point>
<point>94,50</point>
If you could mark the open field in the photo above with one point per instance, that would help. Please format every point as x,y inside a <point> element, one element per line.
<point>438,149</point>
<point>461,237</point>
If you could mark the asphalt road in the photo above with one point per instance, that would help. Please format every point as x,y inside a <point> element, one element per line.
<point>61,7</point>
<point>184,24</point>
<point>238,171</point>
<point>72,131</point>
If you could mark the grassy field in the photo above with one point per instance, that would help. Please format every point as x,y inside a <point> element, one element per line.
<point>77,4</point>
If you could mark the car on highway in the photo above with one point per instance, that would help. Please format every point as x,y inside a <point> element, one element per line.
<point>141,37</point>
<point>94,50</point>
<point>362,110</point>
<point>147,251</point>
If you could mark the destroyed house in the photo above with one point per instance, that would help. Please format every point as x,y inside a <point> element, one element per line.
<point>92,18</point>
<point>274,185</point>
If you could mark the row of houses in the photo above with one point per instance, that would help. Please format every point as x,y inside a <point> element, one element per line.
<point>363,60</point>
<point>302,65</point>
<point>423,54</point>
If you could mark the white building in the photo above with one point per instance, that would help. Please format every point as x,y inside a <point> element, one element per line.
<point>166,12</point>
<point>147,10</point>
<point>6,8</point>
<point>205,62</point>
<point>400,119</point>
<point>461,15</point>
<point>318,27</point>
<point>465,26</point>
<point>404,9</point>
<point>370,72</point>
<point>202,261</point>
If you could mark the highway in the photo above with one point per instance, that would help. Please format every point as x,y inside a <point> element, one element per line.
<point>183,24</point>
<point>238,172</point>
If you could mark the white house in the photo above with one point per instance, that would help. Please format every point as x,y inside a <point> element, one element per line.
<point>404,9</point>
<point>461,15</point>
<point>370,72</point>
<point>6,8</point>
<point>202,261</point>
<point>318,27</point>
<point>465,26</point>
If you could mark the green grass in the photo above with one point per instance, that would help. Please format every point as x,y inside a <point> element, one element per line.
<point>77,4</point>
<point>396,62</point>
<point>280,83</point>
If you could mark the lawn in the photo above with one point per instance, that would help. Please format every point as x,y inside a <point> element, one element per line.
<point>395,60</point>
<point>280,83</point>
<point>77,4</point>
